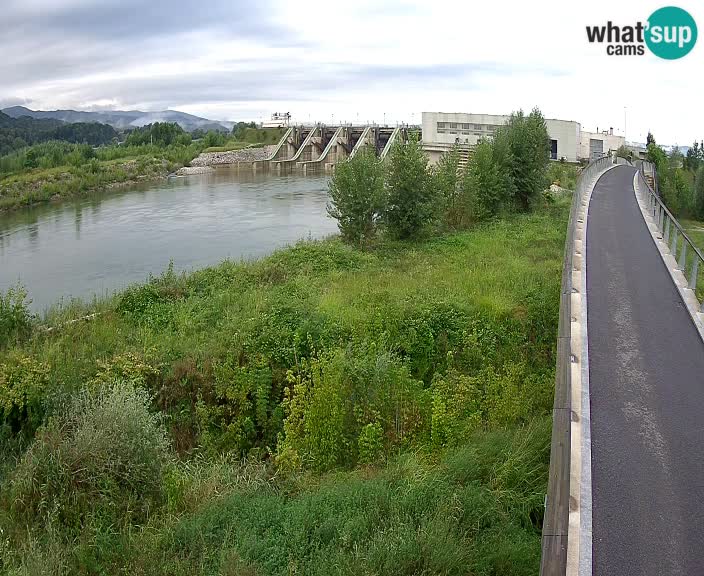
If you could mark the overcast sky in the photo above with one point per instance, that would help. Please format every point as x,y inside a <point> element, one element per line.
<point>354,60</point>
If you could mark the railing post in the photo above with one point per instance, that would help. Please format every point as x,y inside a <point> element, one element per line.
<point>666,234</point>
<point>683,256</point>
<point>673,244</point>
<point>695,271</point>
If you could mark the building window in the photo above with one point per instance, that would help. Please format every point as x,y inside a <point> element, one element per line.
<point>453,125</point>
<point>442,125</point>
<point>465,126</point>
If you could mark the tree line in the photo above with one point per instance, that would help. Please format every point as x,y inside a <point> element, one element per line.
<point>18,133</point>
<point>680,178</point>
<point>406,198</point>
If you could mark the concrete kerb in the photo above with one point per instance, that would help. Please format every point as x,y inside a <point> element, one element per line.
<point>579,540</point>
<point>688,296</point>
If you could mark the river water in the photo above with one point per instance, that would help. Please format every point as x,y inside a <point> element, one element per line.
<point>94,246</point>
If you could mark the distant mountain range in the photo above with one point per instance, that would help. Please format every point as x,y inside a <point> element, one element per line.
<point>122,120</point>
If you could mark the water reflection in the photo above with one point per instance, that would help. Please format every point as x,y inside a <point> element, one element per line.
<point>99,244</point>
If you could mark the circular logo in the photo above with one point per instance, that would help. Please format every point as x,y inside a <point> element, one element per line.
<point>670,33</point>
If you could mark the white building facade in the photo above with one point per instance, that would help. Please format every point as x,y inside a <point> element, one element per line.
<point>441,130</point>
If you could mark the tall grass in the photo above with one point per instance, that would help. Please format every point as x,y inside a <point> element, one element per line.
<point>417,375</point>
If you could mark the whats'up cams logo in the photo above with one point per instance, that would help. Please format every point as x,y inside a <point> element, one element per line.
<point>669,33</point>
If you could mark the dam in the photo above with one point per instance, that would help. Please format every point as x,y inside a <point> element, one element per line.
<point>316,149</point>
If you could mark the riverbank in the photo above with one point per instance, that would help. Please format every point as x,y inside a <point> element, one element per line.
<point>39,185</point>
<point>424,448</point>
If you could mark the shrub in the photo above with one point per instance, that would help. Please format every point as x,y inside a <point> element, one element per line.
<point>357,196</point>
<point>329,405</point>
<point>410,207</point>
<point>15,319</point>
<point>370,443</point>
<point>104,457</point>
<point>23,381</point>
<point>456,408</point>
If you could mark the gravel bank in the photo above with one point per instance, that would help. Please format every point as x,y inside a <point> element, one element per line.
<point>233,156</point>
<point>188,170</point>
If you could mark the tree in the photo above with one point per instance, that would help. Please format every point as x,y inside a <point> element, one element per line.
<point>699,192</point>
<point>650,139</point>
<point>410,206</point>
<point>357,196</point>
<point>483,187</point>
<point>624,152</point>
<point>446,182</point>
<point>527,140</point>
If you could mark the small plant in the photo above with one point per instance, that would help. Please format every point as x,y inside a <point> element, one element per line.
<point>23,381</point>
<point>371,443</point>
<point>15,319</point>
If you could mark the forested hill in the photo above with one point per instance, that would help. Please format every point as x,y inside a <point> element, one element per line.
<point>16,133</point>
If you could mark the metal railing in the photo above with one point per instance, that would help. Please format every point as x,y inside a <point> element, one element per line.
<point>557,501</point>
<point>690,260</point>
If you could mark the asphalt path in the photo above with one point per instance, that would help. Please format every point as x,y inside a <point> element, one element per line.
<point>646,380</point>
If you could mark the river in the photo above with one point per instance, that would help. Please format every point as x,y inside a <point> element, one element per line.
<point>97,245</point>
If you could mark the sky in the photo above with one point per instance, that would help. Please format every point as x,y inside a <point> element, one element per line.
<point>361,60</point>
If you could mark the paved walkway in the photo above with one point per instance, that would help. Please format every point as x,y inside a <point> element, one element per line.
<point>646,378</point>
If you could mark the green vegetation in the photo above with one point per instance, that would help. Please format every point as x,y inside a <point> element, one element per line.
<point>504,174</point>
<point>326,409</point>
<point>72,160</point>
<point>18,133</point>
<point>357,197</point>
<point>563,174</point>
<point>376,404</point>
<point>680,179</point>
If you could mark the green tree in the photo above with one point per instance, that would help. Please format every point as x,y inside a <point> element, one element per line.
<point>483,186</point>
<point>526,137</point>
<point>357,196</point>
<point>699,192</point>
<point>624,152</point>
<point>410,207</point>
<point>650,139</point>
<point>446,184</point>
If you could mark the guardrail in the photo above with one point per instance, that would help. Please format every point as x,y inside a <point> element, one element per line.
<point>690,260</point>
<point>557,501</point>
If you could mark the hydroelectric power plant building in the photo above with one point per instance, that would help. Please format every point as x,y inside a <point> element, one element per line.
<point>312,149</point>
<point>442,130</point>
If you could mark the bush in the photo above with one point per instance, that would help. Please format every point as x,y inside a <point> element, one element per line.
<point>357,196</point>
<point>410,207</point>
<point>23,382</point>
<point>15,319</point>
<point>330,404</point>
<point>104,457</point>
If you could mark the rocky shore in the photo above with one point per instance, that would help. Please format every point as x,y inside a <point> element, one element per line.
<point>232,156</point>
<point>188,170</point>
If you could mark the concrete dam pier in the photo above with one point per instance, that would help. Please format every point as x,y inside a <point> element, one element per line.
<point>316,149</point>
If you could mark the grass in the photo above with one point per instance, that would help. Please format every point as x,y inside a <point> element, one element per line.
<point>462,327</point>
<point>695,231</point>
